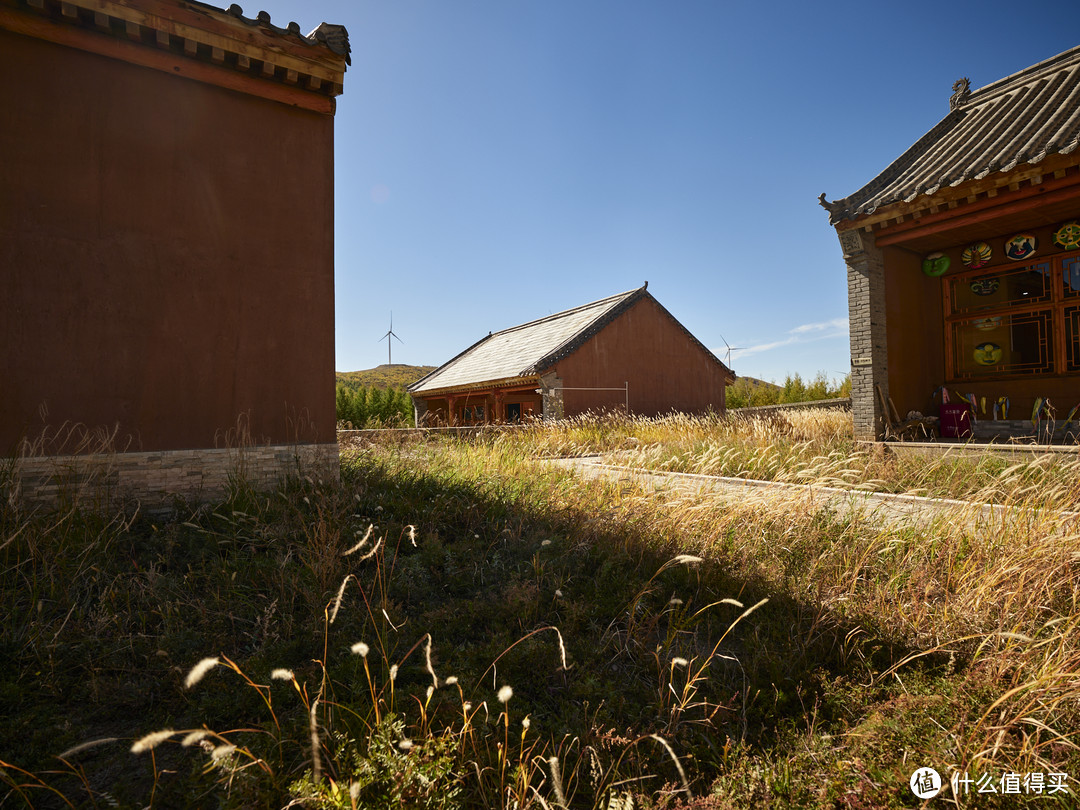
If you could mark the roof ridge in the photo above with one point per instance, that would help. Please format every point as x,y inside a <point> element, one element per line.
<point>332,36</point>
<point>574,341</point>
<point>1050,65</point>
<point>565,312</point>
<point>568,330</point>
<point>1020,118</point>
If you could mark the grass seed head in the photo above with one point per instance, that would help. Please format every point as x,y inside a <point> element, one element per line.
<point>151,740</point>
<point>220,752</point>
<point>199,670</point>
<point>194,737</point>
<point>505,693</point>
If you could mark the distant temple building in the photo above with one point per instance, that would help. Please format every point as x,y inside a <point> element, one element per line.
<point>623,353</point>
<point>963,264</point>
<point>166,239</point>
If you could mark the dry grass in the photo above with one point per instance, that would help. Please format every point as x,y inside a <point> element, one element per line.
<point>677,649</point>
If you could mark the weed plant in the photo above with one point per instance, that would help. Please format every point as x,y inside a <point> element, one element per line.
<point>456,624</point>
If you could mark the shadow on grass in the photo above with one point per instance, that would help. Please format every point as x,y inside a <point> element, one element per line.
<point>105,617</point>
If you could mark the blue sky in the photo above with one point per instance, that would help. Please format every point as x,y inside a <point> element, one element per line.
<point>500,160</point>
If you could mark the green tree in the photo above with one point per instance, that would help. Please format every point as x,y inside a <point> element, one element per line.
<point>373,407</point>
<point>746,393</point>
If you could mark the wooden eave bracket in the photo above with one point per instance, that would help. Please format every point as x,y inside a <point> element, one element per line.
<point>264,65</point>
<point>903,220</point>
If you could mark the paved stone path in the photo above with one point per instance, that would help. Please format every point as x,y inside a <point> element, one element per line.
<point>881,506</point>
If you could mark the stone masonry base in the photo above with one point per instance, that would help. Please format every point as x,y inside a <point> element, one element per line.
<point>157,478</point>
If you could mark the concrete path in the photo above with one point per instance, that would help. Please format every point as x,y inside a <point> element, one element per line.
<point>875,505</point>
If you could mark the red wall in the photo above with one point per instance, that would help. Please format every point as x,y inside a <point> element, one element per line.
<point>167,254</point>
<point>914,326</point>
<point>666,369</point>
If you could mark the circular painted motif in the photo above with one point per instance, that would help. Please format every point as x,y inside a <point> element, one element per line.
<point>935,264</point>
<point>1067,236</point>
<point>1021,246</point>
<point>986,324</point>
<point>976,255</point>
<point>987,354</point>
<point>985,286</point>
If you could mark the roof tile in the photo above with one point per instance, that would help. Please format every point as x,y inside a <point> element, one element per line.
<point>1019,119</point>
<point>523,350</point>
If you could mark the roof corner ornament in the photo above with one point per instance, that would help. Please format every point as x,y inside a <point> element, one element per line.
<point>646,286</point>
<point>961,92</point>
<point>828,206</point>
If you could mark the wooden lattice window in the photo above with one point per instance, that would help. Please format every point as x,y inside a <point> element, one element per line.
<point>1014,321</point>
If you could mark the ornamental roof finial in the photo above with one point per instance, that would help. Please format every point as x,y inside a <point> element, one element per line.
<point>961,92</point>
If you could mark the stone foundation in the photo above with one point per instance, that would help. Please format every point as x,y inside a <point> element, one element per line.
<point>157,479</point>
<point>1024,430</point>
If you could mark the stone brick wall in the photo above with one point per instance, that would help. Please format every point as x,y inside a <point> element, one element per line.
<point>156,479</point>
<point>552,384</point>
<point>866,318</point>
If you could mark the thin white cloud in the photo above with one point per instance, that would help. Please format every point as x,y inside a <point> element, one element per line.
<point>824,326</point>
<point>804,333</point>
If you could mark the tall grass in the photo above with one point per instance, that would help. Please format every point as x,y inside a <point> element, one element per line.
<point>457,624</point>
<point>808,446</point>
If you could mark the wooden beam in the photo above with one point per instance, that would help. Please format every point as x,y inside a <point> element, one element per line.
<point>227,34</point>
<point>1060,165</point>
<point>1018,204</point>
<point>219,28</point>
<point>166,61</point>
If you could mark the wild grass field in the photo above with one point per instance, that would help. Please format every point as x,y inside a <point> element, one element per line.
<point>459,624</point>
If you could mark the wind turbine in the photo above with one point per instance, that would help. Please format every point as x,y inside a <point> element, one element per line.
<point>730,349</point>
<point>390,334</point>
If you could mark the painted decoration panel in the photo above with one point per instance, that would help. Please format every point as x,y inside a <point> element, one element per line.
<point>977,255</point>
<point>935,264</point>
<point>1021,246</point>
<point>1067,237</point>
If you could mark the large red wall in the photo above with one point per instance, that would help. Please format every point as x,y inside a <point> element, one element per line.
<point>166,250</point>
<point>666,369</point>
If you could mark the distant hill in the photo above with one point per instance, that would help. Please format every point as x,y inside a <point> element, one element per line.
<point>754,382</point>
<point>397,375</point>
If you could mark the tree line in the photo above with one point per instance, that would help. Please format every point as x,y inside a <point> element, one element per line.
<point>361,406</point>
<point>747,393</point>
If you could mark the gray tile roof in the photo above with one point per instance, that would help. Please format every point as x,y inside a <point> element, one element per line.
<point>1019,119</point>
<point>526,350</point>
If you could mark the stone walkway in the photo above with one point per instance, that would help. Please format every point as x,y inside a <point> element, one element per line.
<point>911,509</point>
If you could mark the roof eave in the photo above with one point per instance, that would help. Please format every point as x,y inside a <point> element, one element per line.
<point>479,385</point>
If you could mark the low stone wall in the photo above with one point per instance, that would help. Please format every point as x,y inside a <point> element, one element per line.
<point>157,478</point>
<point>975,450</point>
<point>841,404</point>
<point>1024,430</point>
<point>398,435</point>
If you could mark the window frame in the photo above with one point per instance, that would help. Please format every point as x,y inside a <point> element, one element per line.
<point>1055,307</point>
